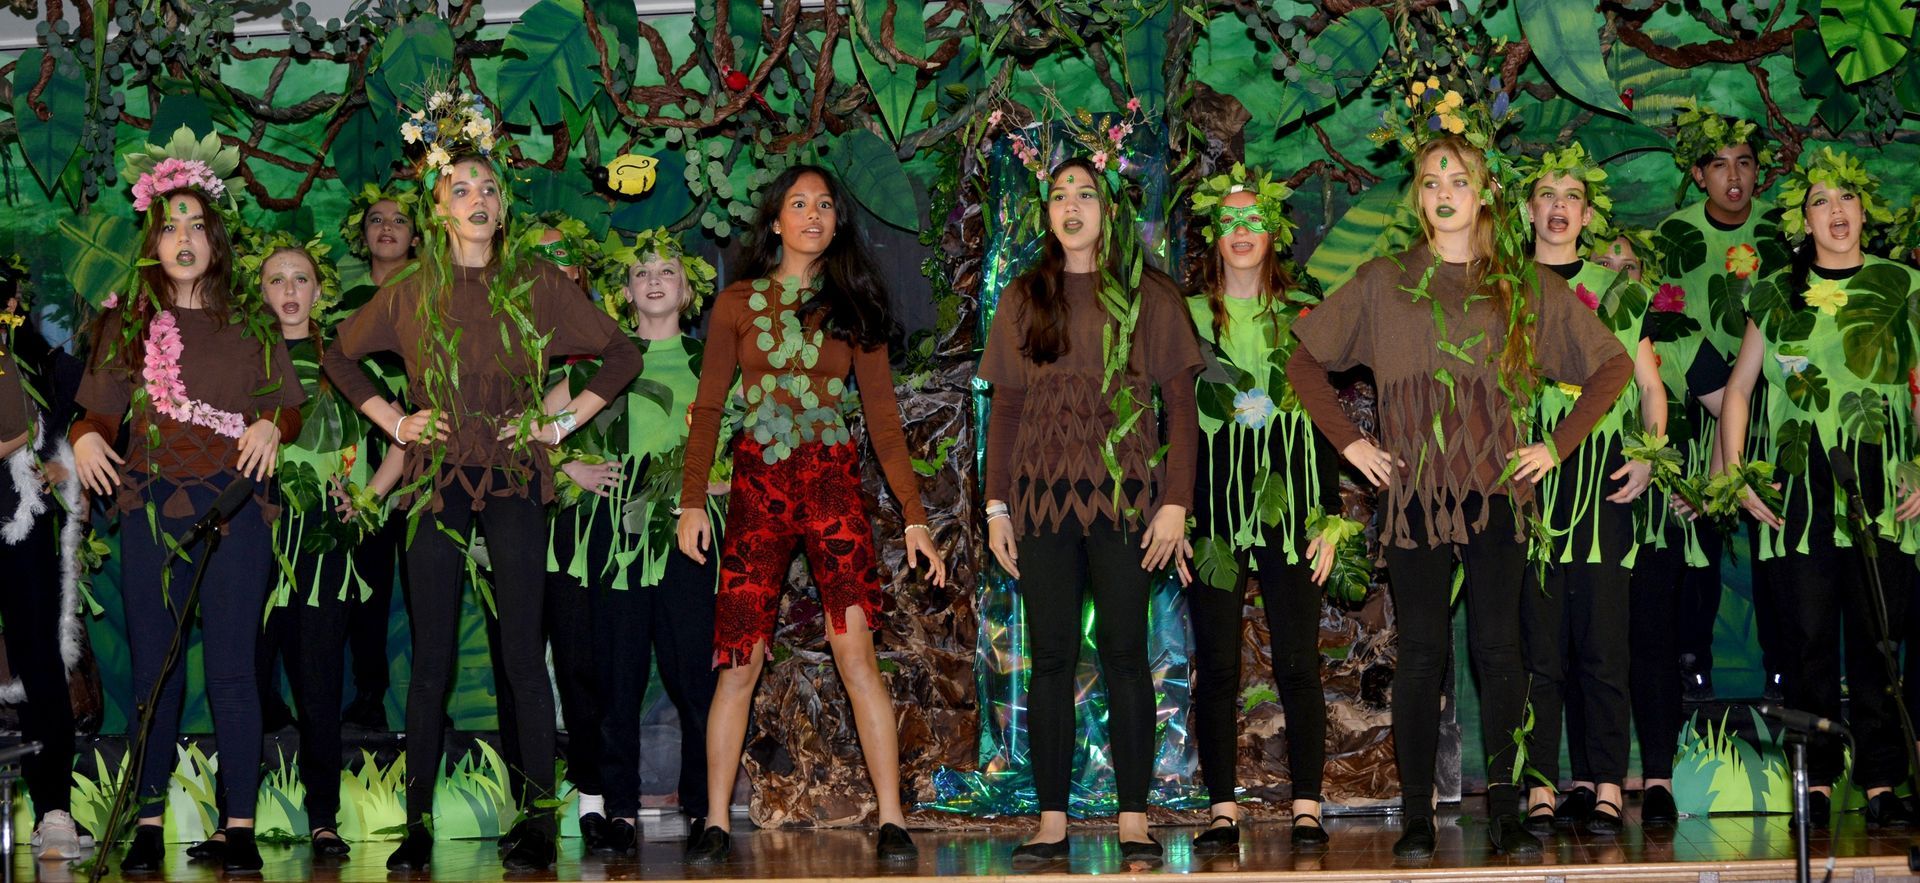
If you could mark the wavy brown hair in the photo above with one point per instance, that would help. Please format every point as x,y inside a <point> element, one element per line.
<point>1046,284</point>
<point>215,286</point>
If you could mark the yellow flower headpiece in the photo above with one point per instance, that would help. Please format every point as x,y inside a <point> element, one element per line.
<point>449,125</point>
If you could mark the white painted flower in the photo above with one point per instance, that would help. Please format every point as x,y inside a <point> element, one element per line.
<point>1252,408</point>
<point>439,100</point>
<point>1791,364</point>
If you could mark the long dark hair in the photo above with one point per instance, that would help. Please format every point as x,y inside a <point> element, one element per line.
<point>852,303</point>
<point>215,286</point>
<point>1210,276</point>
<point>1046,282</point>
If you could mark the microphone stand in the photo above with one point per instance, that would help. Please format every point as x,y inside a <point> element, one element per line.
<point>137,749</point>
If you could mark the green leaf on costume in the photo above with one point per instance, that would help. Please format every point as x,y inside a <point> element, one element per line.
<point>1213,563</point>
<point>1272,497</point>
<point>1864,415</point>
<point>877,179</point>
<point>548,53</point>
<point>49,144</point>
<point>1624,303</point>
<point>1682,249</point>
<point>1726,303</point>
<point>1576,63</point>
<point>1873,325</point>
<point>1865,38</point>
<point>1794,443</point>
<point>1807,388</point>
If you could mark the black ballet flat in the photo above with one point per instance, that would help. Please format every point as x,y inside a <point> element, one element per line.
<point>148,851</point>
<point>328,844</point>
<point>415,853</point>
<point>534,851</point>
<point>1605,822</point>
<point>1541,823</point>
<point>1035,853</point>
<point>1148,850</point>
<point>895,845</point>
<point>1575,808</point>
<point>242,855</point>
<point>1508,834</point>
<point>208,850</point>
<point>1657,807</point>
<point>622,838</point>
<point>1219,838</point>
<point>1312,836</point>
<point>1416,841</point>
<point>594,830</point>
<point>710,848</point>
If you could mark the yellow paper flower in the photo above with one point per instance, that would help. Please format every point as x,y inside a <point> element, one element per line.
<point>410,132</point>
<point>1450,101</point>
<point>1827,295</point>
<point>437,158</point>
<point>1572,391</point>
<point>1453,123</point>
<point>1419,89</point>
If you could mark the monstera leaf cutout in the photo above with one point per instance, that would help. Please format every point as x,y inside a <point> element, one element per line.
<point>1874,325</point>
<point>1808,389</point>
<point>1792,441</point>
<point>1727,303</point>
<point>1682,248</point>
<point>1864,415</point>
<point>1866,38</point>
<point>1576,63</point>
<point>97,251</point>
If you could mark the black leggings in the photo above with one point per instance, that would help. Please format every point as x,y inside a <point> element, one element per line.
<point>30,604</point>
<point>1576,661</point>
<point>1057,570</point>
<point>516,532</point>
<point>377,558</point>
<point>1421,580</point>
<point>317,637</point>
<point>1829,587</point>
<point>571,611</point>
<point>1292,604</point>
<point>1655,599</point>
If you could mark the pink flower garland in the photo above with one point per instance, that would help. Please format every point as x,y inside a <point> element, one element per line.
<point>171,174</point>
<point>162,375</point>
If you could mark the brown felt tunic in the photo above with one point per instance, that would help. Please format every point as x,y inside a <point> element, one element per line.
<point>1050,421</point>
<point>16,410</point>
<point>1373,320</point>
<point>730,347</point>
<point>219,365</point>
<point>490,395</point>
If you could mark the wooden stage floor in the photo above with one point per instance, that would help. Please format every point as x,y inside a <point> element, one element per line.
<point>1699,849</point>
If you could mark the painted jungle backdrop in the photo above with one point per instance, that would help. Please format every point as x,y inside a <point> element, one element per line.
<point>629,122</point>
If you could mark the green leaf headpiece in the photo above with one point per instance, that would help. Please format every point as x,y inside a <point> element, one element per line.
<point>1838,170</point>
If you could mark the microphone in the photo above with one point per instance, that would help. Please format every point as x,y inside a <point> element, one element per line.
<point>17,753</point>
<point>1805,722</point>
<point>229,502</point>
<point>1842,465</point>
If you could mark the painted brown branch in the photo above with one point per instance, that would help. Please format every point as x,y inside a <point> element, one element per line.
<point>1519,52</point>
<point>961,116</point>
<point>1333,172</point>
<point>1691,55</point>
<point>1354,176</point>
<point>822,83</point>
<point>1333,10</point>
<point>1791,137</point>
<point>1102,67</point>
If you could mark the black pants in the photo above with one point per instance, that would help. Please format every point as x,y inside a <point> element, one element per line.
<point>1827,588</point>
<point>1576,659</point>
<point>516,532</point>
<point>1421,580</point>
<point>1699,589</point>
<point>317,640</point>
<point>1655,599</point>
<point>571,612</point>
<point>30,606</point>
<point>672,621</point>
<point>1292,604</point>
<point>232,599</point>
<point>1057,570</point>
<point>377,558</point>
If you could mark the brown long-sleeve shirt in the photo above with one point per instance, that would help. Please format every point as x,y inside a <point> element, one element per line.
<point>1374,320</point>
<point>1051,420</point>
<point>491,393</point>
<point>732,346</point>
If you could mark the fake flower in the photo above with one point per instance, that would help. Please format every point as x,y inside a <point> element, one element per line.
<point>1827,296</point>
<point>1587,296</point>
<point>172,174</point>
<point>1252,408</point>
<point>1670,298</point>
<point>161,373</point>
<point>1742,260</point>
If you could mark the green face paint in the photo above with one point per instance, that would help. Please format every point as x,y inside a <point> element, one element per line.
<point>180,207</point>
<point>1443,163</point>
<point>1246,217</point>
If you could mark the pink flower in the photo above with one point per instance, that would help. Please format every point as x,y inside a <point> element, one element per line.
<point>993,119</point>
<point>172,174</point>
<point>161,371</point>
<point>1670,298</point>
<point>1133,105</point>
<point>112,301</point>
<point>1100,160</point>
<point>1586,296</point>
<point>1116,133</point>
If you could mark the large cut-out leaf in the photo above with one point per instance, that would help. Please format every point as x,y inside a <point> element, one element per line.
<point>548,53</point>
<point>97,251</point>
<point>184,109</point>
<point>1229,62</point>
<point>1727,303</point>
<point>1574,60</point>
<point>1355,44</point>
<point>49,144</point>
<point>1792,442</point>
<point>877,179</point>
<point>1146,45</point>
<point>663,205</point>
<point>1864,415</point>
<point>1865,38</point>
<point>413,55</point>
<point>1374,225</point>
<point>1808,389</point>
<point>365,150</point>
<point>1213,563</point>
<point>568,192</point>
<point>1819,82</point>
<point>1682,248</point>
<point>1874,325</point>
<point>893,84</point>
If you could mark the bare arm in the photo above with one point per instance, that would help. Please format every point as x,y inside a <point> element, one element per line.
<point>1653,392</point>
<point>1738,396</point>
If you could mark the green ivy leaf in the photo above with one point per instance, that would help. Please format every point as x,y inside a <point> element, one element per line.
<point>1575,62</point>
<point>1873,324</point>
<point>1865,38</point>
<point>49,144</point>
<point>874,174</point>
<point>548,53</point>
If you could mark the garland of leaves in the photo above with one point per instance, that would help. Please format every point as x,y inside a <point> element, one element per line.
<point>1837,170</point>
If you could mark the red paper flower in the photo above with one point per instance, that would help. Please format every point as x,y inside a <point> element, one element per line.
<point>1670,298</point>
<point>1587,296</point>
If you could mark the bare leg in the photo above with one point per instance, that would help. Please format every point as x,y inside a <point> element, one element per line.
<point>1307,808</point>
<point>1133,827</point>
<point>1229,809</point>
<point>1053,828</point>
<point>727,733</point>
<point>873,716</point>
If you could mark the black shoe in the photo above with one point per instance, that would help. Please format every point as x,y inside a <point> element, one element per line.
<point>1775,690</point>
<point>1605,819</point>
<point>1819,811</point>
<point>710,848</point>
<point>1308,837</point>
<point>149,849</point>
<point>895,845</point>
<point>415,853</point>
<point>534,851</point>
<point>327,844</point>
<point>367,713</point>
<point>1575,807</point>
<point>594,829</point>
<point>505,843</point>
<point>242,855</point>
<point>1218,839</point>
<point>1508,834</point>
<point>1148,850</point>
<point>208,850</point>
<point>1035,853</point>
<point>1657,808</point>
<point>1888,811</point>
<point>621,838</point>
<point>1416,840</point>
<point>1541,819</point>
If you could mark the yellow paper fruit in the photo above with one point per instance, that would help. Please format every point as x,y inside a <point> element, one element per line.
<point>631,173</point>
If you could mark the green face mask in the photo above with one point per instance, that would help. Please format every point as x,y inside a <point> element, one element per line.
<point>556,252</point>
<point>1245,216</point>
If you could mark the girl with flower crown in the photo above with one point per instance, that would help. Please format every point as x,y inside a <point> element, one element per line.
<point>1832,340</point>
<point>1574,607</point>
<point>208,394</point>
<point>809,313</point>
<point>1058,520</point>
<point>1443,326</point>
<point>475,323</point>
<point>1268,493</point>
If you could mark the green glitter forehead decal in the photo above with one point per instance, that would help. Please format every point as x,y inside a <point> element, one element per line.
<point>1246,217</point>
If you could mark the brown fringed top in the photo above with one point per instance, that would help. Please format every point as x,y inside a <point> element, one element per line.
<point>16,411</point>
<point>1050,421</point>
<point>490,395</point>
<point>1376,320</point>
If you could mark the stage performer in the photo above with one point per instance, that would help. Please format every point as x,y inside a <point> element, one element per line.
<point>1574,607</point>
<point>619,484</point>
<point>476,449</point>
<point>1453,382</point>
<point>1259,454</point>
<point>208,392</point>
<point>809,312</point>
<point>41,523</point>
<point>1062,521</point>
<point>1832,338</point>
<point>1715,251</point>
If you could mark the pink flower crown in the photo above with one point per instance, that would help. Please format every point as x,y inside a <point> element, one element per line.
<point>172,174</point>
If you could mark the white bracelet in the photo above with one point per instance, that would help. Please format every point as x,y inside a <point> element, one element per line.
<point>992,515</point>
<point>921,526</point>
<point>396,431</point>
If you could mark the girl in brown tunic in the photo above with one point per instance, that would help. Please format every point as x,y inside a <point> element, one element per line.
<point>1055,519</point>
<point>1434,327</point>
<point>475,455</point>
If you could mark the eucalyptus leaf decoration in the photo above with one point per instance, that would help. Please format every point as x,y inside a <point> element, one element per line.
<point>1837,170</point>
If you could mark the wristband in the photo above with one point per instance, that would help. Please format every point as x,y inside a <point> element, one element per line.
<point>992,515</point>
<point>921,526</point>
<point>396,431</point>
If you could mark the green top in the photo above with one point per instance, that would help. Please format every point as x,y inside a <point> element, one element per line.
<point>331,453</point>
<point>1837,361</point>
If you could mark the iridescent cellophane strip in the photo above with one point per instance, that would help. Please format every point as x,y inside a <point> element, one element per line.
<point>1002,783</point>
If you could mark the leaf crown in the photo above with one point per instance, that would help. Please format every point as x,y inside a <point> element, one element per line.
<point>1270,195</point>
<point>1837,170</point>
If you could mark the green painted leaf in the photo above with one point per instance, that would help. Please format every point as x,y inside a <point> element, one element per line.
<point>548,54</point>
<point>893,85</point>
<point>568,191</point>
<point>1865,38</point>
<point>413,55</point>
<point>1682,248</point>
<point>743,23</point>
<point>1355,43</point>
<point>1574,61</point>
<point>97,253</point>
<point>1213,563</point>
<point>365,150</point>
<point>664,204</point>
<point>874,174</point>
<point>1727,303</point>
<point>1864,414</point>
<point>1808,389</point>
<point>1792,441</point>
<point>49,144</point>
<point>1229,62</point>
<point>1659,91</point>
<point>1146,48</point>
<point>183,109</point>
<point>1374,225</point>
<point>1874,326</point>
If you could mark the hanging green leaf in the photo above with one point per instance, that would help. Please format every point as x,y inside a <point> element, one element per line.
<point>1355,43</point>
<point>1681,247</point>
<point>1865,38</point>
<point>548,54</point>
<point>1873,324</point>
<point>1726,303</point>
<point>874,174</point>
<point>743,24</point>
<point>1819,82</point>
<point>1146,47</point>
<point>1213,563</point>
<point>1571,33</point>
<point>1374,225</point>
<point>661,206</point>
<point>1808,389</point>
<point>413,55</point>
<point>97,252</point>
<point>1864,415</point>
<point>365,151</point>
<point>49,144</point>
<point>184,109</point>
<point>1229,62</point>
